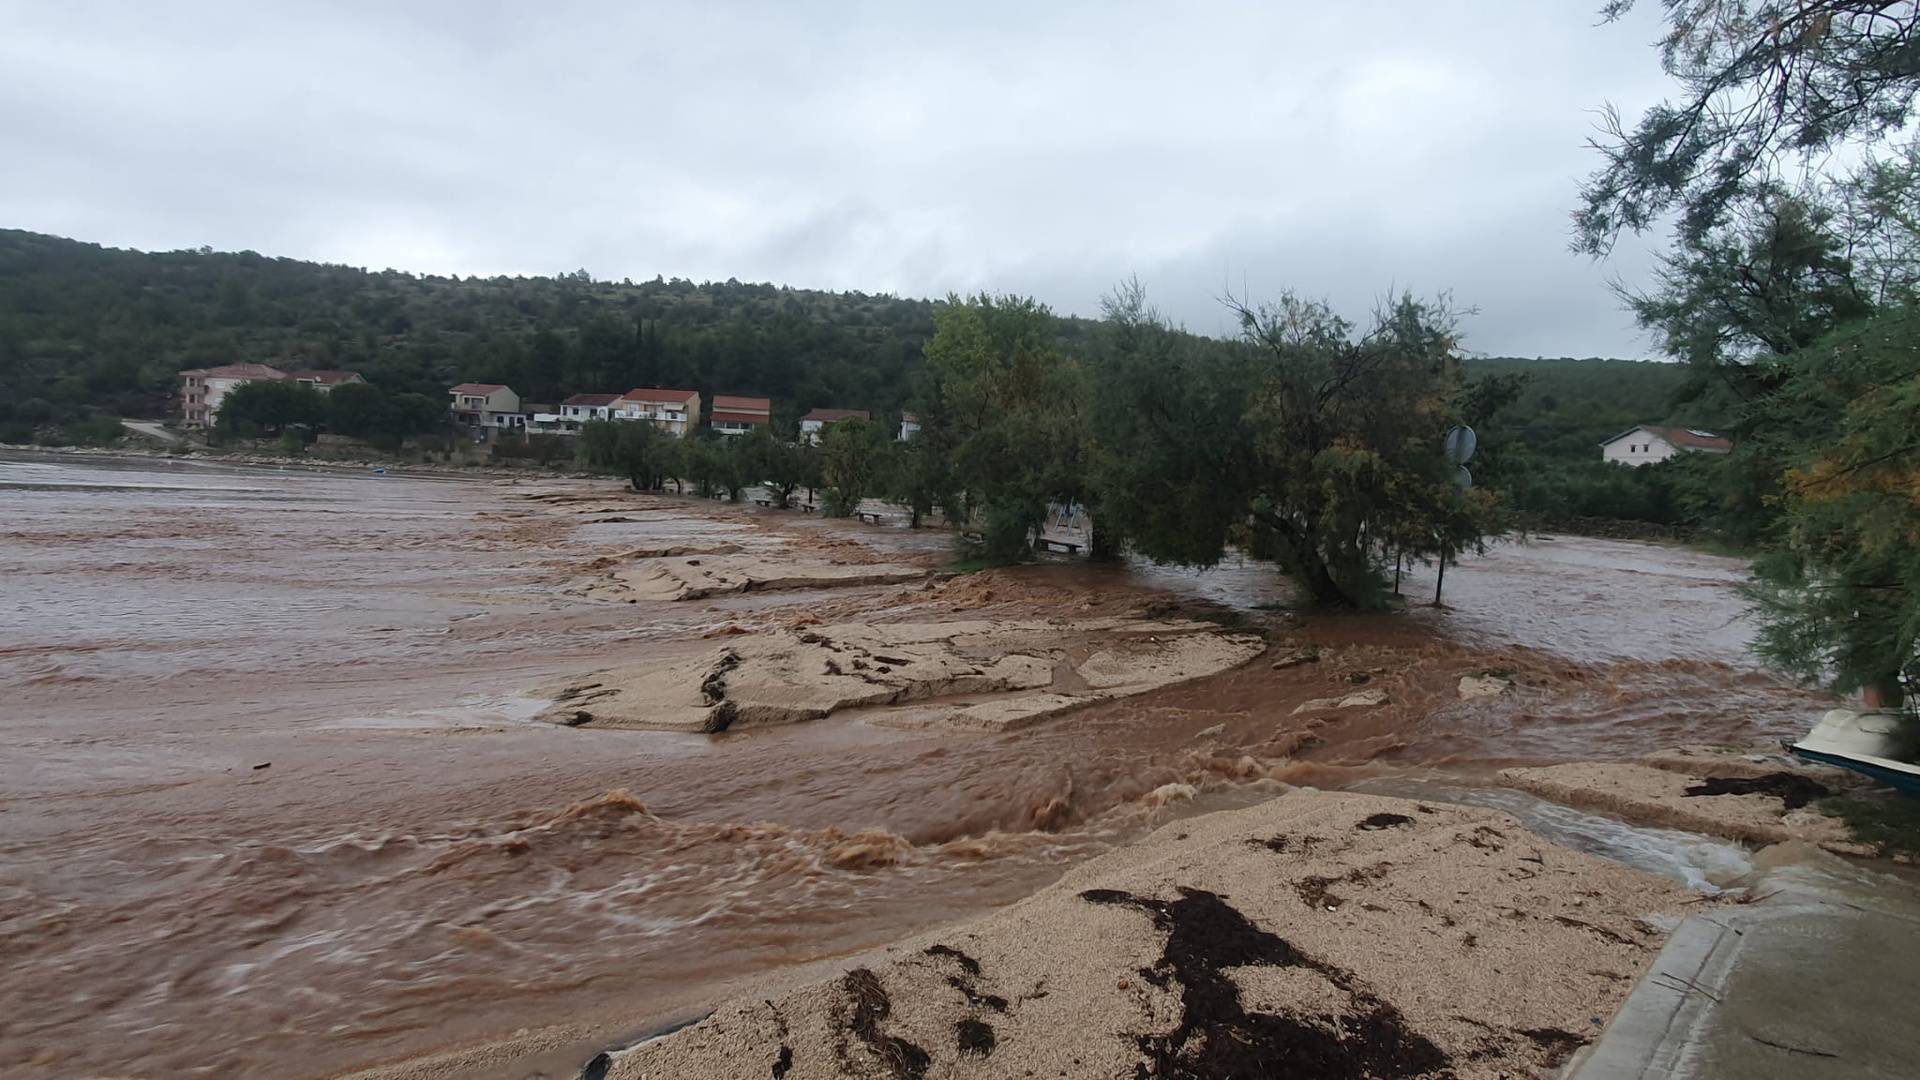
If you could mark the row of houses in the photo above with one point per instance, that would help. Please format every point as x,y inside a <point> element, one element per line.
<point>492,408</point>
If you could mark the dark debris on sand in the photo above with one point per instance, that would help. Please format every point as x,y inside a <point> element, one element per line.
<point>1217,1037</point>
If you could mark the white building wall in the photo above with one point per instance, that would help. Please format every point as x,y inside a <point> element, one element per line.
<point>1638,448</point>
<point>673,421</point>
<point>217,391</point>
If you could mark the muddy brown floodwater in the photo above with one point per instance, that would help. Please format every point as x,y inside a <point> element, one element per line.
<point>272,804</point>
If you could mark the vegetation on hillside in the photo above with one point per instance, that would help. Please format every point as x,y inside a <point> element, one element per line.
<point>82,326</point>
<point>90,333</point>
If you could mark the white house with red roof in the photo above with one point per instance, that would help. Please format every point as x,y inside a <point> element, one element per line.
<point>486,407</point>
<point>1649,444</point>
<point>570,415</point>
<point>909,427</point>
<point>581,408</point>
<point>736,415</point>
<point>812,424</point>
<point>675,412</point>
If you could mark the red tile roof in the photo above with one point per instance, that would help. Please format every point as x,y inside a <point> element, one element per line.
<point>238,371</point>
<point>592,399</point>
<point>739,417</point>
<point>1688,439</point>
<point>326,378</point>
<point>760,405</point>
<point>828,416</point>
<point>909,418</point>
<point>481,389</point>
<point>1684,438</point>
<point>650,393</point>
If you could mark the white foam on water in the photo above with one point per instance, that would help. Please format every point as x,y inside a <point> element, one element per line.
<point>1702,863</point>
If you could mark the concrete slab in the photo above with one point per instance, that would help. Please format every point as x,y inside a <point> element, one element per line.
<point>1817,979</point>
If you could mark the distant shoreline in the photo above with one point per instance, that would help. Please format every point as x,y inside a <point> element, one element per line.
<point>216,457</point>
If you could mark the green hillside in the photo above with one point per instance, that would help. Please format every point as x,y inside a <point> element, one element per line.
<point>1568,406</point>
<point>82,325</point>
<point>87,328</point>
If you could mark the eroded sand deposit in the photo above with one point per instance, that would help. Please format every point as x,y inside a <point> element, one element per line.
<point>723,570</point>
<point>1331,935</point>
<point>966,675</point>
<point>1689,792</point>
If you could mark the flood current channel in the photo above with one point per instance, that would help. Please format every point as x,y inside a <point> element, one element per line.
<point>271,803</point>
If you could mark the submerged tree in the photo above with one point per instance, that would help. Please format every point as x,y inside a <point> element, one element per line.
<point>918,478</point>
<point>636,450</point>
<point>1325,441</point>
<point>1003,409</point>
<point>270,407</point>
<point>773,463</point>
<point>853,460</point>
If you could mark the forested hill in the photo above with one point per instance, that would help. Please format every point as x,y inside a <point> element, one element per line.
<point>86,327</point>
<point>1568,406</point>
<point>83,325</point>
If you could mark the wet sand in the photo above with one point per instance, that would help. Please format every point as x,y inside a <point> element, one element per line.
<point>421,866</point>
<point>1413,939</point>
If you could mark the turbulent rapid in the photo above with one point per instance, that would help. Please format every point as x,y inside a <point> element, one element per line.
<point>274,802</point>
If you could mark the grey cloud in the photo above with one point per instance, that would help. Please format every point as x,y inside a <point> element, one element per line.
<point>1336,149</point>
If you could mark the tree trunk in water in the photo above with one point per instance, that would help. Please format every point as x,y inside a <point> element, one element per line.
<point>1100,545</point>
<point>1327,592</point>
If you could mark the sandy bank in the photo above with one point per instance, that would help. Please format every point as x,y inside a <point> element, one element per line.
<point>1741,803</point>
<point>1364,935</point>
<point>977,675</point>
<point>694,577</point>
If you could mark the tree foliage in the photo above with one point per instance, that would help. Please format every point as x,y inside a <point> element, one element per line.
<point>779,465</point>
<point>1733,301</point>
<point>852,464</point>
<point>1799,299</point>
<point>647,458</point>
<point>1763,83</point>
<point>1003,410</point>
<point>919,478</point>
<point>365,411</point>
<point>1326,439</point>
<point>269,408</point>
<point>1840,593</point>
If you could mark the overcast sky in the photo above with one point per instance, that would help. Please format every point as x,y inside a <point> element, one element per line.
<point>1046,148</point>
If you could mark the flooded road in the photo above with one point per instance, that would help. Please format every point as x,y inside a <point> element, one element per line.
<point>272,806</point>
